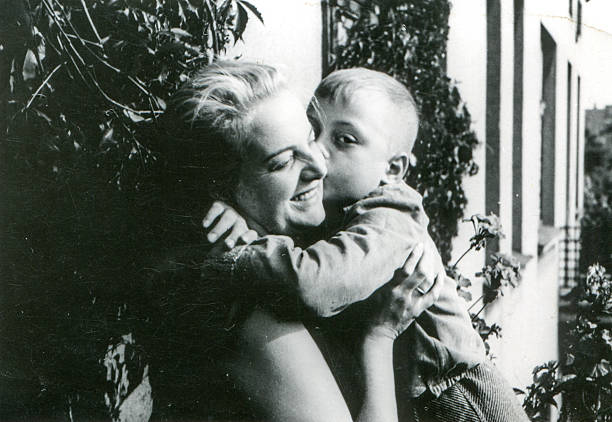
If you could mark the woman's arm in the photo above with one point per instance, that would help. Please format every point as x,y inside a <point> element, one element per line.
<point>377,365</point>
<point>398,304</point>
<point>281,371</point>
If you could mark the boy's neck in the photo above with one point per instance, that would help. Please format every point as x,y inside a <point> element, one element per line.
<point>334,216</point>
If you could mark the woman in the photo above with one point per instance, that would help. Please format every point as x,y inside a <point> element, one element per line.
<point>239,128</point>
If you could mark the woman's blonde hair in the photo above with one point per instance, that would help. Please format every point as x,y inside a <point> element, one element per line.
<point>209,120</point>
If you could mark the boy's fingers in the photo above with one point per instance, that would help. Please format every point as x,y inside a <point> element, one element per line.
<point>215,211</point>
<point>247,237</point>
<point>227,220</point>
<point>238,229</point>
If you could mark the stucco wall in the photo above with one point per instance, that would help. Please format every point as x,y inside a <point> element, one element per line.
<point>290,38</point>
<point>466,62</point>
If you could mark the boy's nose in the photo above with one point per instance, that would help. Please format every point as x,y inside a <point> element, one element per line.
<point>316,167</point>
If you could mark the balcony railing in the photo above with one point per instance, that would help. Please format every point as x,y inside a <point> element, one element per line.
<point>569,256</point>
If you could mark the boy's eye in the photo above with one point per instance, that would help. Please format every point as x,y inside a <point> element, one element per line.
<point>282,161</point>
<point>345,139</point>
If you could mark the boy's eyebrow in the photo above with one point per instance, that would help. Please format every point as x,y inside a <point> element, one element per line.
<point>344,122</point>
<point>350,124</point>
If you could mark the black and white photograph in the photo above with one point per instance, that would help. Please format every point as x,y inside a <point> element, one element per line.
<point>306,210</point>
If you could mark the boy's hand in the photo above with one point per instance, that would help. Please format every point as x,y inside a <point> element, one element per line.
<point>226,227</point>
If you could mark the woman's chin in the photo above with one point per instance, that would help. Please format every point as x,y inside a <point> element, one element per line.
<point>305,219</point>
<point>313,219</point>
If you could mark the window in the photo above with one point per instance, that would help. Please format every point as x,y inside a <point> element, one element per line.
<point>578,129</point>
<point>517,130</point>
<point>492,120</point>
<point>578,20</point>
<point>568,144</point>
<point>548,103</point>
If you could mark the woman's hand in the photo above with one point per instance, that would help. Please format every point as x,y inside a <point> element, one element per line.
<point>226,228</point>
<point>401,300</point>
<point>396,305</point>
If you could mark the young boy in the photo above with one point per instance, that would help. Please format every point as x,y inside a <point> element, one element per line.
<point>366,123</point>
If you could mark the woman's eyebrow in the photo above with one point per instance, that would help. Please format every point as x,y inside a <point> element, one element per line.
<point>274,154</point>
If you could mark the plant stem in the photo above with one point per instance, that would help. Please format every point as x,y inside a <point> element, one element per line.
<point>461,257</point>
<point>478,313</point>
<point>475,302</point>
<point>93,27</point>
<point>41,87</point>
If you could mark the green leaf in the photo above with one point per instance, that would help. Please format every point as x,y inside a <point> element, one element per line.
<point>252,8</point>
<point>466,295</point>
<point>241,21</point>
<point>180,32</point>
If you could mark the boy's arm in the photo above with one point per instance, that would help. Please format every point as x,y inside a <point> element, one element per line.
<point>382,230</point>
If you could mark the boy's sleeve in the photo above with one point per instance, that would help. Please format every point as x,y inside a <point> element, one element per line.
<point>381,231</point>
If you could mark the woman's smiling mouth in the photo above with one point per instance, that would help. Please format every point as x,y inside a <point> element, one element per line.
<point>307,194</point>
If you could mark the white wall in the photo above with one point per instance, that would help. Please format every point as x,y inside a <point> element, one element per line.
<point>289,38</point>
<point>528,316</point>
<point>466,63</point>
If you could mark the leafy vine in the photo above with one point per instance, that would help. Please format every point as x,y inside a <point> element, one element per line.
<point>81,84</point>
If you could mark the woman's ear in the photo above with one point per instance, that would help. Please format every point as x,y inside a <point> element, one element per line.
<point>397,167</point>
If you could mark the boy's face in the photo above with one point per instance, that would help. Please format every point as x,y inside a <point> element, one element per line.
<point>358,137</point>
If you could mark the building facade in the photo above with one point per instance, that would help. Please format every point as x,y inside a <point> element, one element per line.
<point>518,67</point>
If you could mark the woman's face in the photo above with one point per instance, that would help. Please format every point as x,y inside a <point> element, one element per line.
<point>280,188</point>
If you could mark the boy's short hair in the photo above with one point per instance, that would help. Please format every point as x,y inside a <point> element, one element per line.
<point>341,85</point>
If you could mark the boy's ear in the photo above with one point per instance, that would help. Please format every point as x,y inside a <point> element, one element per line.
<point>397,167</point>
